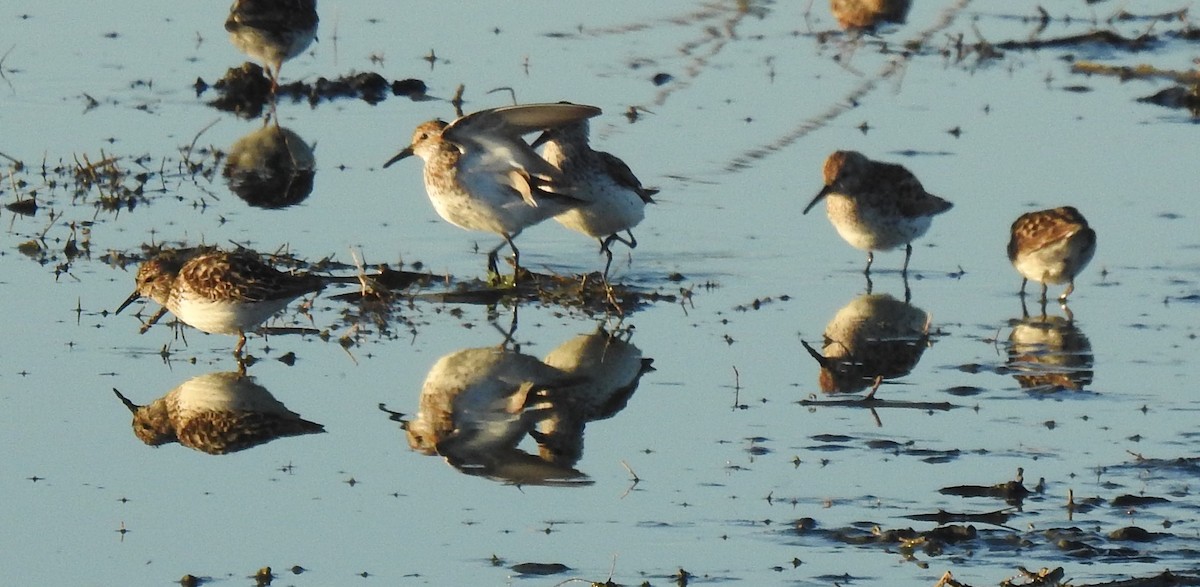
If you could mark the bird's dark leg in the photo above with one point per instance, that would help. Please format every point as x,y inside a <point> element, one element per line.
<point>1043,298</point>
<point>607,252</point>
<point>870,259</point>
<point>1022,292</point>
<point>907,256</point>
<point>241,344</point>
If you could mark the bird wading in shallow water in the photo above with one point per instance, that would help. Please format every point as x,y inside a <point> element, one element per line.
<point>481,175</point>
<point>1051,246</point>
<point>221,292</point>
<point>876,206</point>
<point>616,199</point>
<point>272,31</point>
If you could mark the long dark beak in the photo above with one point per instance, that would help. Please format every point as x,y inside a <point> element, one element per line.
<point>132,406</point>
<point>407,152</point>
<point>816,355</point>
<point>129,300</point>
<point>820,196</point>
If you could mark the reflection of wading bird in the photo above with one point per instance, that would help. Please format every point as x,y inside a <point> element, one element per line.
<point>875,337</point>
<point>1051,246</point>
<point>876,206</point>
<point>609,369</point>
<point>217,413</point>
<point>481,175</point>
<point>221,292</point>
<point>478,404</point>
<point>866,14</point>
<point>1049,353</point>
<point>271,167</point>
<point>272,31</point>
<point>616,200</point>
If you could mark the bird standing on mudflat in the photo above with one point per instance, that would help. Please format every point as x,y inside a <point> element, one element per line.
<point>221,292</point>
<point>481,175</point>
<point>616,200</point>
<point>272,31</point>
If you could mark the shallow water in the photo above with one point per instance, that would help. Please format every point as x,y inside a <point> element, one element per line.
<point>711,462</point>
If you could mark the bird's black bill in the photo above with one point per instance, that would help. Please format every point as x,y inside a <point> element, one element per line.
<point>820,196</point>
<point>129,404</point>
<point>129,300</point>
<point>407,152</point>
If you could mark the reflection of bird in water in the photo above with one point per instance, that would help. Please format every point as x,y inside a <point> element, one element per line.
<point>481,175</point>
<point>221,292</point>
<point>478,404</point>
<point>874,337</point>
<point>867,14</point>
<point>272,31</point>
<point>876,206</point>
<point>609,369</point>
<point>271,167</point>
<point>616,200</point>
<point>1051,246</point>
<point>1050,353</point>
<point>217,413</point>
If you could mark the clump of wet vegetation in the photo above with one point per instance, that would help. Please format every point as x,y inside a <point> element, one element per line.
<point>246,90</point>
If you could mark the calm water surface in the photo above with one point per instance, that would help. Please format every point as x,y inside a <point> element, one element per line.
<point>729,438</point>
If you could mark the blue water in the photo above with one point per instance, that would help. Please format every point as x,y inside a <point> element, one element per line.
<point>74,475</point>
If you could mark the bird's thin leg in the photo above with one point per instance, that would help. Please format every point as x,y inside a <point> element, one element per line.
<point>874,387</point>
<point>494,253</point>
<point>870,284</point>
<point>1043,298</point>
<point>1070,288</point>
<point>241,344</point>
<point>907,256</point>
<point>1022,292</point>
<point>907,291</point>
<point>870,259</point>
<point>631,243</point>
<point>604,249</point>
<point>516,257</point>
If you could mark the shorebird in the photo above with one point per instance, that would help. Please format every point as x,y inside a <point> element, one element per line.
<point>616,199</point>
<point>221,292</point>
<point>481,175</point>
<point>272,31</point>
<point>867,14</point>
<point>1051,246</point>
<point>876,206</point>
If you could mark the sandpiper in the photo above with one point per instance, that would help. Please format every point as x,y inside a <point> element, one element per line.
<point>1051,246</point>
<point>221,292</point>
<point>216,413</point>
<point>616,200</point>
<point>481,175</point>
<point>272,31</point>
<point>867,14</point>
<point>876,206</point>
